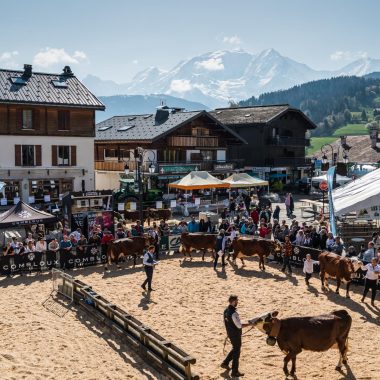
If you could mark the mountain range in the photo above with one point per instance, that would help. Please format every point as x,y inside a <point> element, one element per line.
<point>215,78</point>
<point>142,104</point>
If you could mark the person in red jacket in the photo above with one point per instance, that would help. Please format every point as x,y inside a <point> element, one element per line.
<point>255,216</point>
<point>106,239</point>
<point>263,230</point>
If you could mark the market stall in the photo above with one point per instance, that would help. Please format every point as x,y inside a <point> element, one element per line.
<point>242,180</point>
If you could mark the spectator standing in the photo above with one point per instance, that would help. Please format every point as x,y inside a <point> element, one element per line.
<point>287,253</point>
<point>53,245</point>
<point>15,245</point>
<point>82,244</point>
<point>255,216</point>
<point>300,238</point>
<point>263,230</point>
<point>289,204</point>
<point>370,253</point>
<point>338,246</point>
<point>329,241</point>
<point>276,212</point>
<point>41,245</point>
<point>30,247</point>
<point>371,278</point>
<point>193,226</point>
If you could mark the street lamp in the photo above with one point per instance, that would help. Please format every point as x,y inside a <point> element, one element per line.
<point>126,169</point>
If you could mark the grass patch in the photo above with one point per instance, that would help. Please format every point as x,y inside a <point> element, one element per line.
<point>317,142</point>
<point>351,130</point>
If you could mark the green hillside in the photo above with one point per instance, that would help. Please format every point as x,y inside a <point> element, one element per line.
<point>339,106</point>
<point>316,144</point>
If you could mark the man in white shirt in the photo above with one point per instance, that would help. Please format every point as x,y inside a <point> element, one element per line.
<point>371,278</point>
<point>234,331</point>
<point>149,264</point>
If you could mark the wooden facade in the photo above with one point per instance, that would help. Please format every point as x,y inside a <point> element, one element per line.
<point>47,121</point>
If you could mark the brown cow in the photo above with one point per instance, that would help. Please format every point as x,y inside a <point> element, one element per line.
<point>193,241</point>
<point>333,265</point>
<point>127,247</point>
<point>159,214</point>
<point>243,247</point>
<point>295,334</point>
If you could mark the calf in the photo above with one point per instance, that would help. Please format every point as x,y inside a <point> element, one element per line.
<point>333,265</point>
<point>295,334</point>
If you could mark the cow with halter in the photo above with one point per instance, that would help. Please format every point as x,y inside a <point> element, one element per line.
<point>197,240</point>
<point>125,247</point>
<point>294,334</point>
<point>342,268</point>
<point>246,247</point>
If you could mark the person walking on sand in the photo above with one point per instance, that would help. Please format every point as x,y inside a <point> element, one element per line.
<point>234,332</point>
<point>149,263</point>
<point>308,268</point>
<point>371,278</point>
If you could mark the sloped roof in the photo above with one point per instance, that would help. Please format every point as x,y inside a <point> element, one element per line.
<point>146,128</point>
<point>360,151</point>
<point>255,115</point>
<point>22,214</point>
<point>39,89</point>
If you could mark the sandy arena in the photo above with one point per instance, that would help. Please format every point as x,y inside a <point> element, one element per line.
<point>187,309</point>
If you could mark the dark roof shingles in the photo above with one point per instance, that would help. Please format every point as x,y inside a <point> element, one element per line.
<point>39,89</point>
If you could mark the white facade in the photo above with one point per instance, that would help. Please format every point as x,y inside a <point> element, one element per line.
<point>83,171</point>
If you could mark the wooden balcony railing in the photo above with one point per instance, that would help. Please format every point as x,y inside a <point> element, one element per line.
<point>193,141</point>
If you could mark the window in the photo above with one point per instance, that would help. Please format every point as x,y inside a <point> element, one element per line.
<point>63,158</point>
<point>200,132</point>
<point>64,155</point>
<point>63,120</point>
<point>27,154</point>
<point>27,119</point>
<point>18,80</point>
<point>59,84</point>
<point>110,154</point>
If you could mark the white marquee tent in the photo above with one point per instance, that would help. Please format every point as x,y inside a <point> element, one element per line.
<point>240,180</point>
<point>339,179</point>
<point>360,194</point>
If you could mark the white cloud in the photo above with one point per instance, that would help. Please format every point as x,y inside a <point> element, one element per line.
<point>180,85</point>
<point>135,62</point>
<point>233,40</point>
<point>7,55</point>
<point>341,55</point>
<point>52,56</point>
<point>212,64</point>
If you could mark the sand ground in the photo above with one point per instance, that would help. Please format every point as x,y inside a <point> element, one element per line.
<point>186,308</point>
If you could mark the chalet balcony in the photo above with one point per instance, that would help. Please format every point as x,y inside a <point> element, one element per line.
<point>287,161</point>
<point>288,141</point>
<point>179,166</point>
<point>194,141</point>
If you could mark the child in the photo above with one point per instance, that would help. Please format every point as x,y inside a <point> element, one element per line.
<point>308,268</point>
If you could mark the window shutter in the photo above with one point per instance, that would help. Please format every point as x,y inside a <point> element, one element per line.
<point>38,155</point>
<point>17,155</point>
<point>36,119</point>
<point>67,120</point>
<point>19,118</point>
<point>54,153</point>
<point>73,161</point>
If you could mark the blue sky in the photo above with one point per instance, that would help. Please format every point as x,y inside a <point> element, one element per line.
<point>114,39</point>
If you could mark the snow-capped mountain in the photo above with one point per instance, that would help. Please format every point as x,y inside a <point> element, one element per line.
<point>217,77</point>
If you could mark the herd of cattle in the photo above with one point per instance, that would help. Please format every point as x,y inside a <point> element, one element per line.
<point>331,265</point>
<point>316,333</point>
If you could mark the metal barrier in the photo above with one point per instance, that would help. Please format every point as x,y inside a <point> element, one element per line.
<point>160,353</point>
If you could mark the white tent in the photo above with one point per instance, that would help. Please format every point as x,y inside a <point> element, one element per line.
<point>239,180</point>
<point>339,179</point>
<point>198,180</point>
<point>360,194</point>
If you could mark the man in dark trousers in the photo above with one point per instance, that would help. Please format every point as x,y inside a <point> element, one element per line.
<point>149,264</point>
<point>234,329</point>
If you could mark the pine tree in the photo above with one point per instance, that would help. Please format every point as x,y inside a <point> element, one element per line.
<point>364,116</point>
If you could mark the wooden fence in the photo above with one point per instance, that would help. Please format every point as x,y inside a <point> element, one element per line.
<point>156,350</point>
